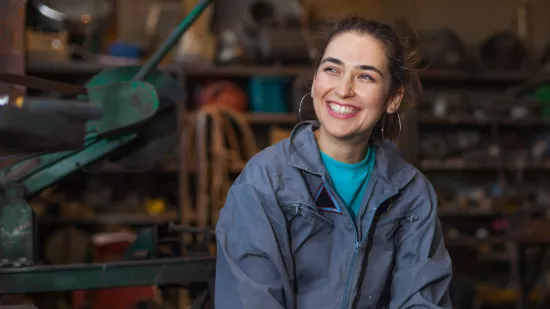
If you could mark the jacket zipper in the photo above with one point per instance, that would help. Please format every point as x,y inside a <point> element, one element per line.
<point>350,275</point>
<point>345,302</point>
<point>355,251</point>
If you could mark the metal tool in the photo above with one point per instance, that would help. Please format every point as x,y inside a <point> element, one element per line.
<point>81,17</point>
<point>120,106</point>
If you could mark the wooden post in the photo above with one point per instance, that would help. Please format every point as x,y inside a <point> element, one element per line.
<point>184,198</point>
<point>12,50</point>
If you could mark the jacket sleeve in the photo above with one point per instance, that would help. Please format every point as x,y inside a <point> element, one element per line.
<point>423,269</point>
<point>250,272</point>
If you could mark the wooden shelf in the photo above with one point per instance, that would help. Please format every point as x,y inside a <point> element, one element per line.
<point>464,241</point>
<point>452,120</point>
<point>477,75</point>
<point>272,118</point>
<point>112,219</point>
<point>444,211</point>
<point>245,71</point>
<point>90,68</point>
<point>434,165</point>
<point>111,168</point>
<point>64,67</point>
<point>464,120</point>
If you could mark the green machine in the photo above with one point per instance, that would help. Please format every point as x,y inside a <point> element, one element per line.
<point>115,112</point>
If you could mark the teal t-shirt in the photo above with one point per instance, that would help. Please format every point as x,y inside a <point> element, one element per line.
<point>350,180</point>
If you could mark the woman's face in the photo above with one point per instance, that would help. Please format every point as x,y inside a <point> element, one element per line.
<point>352,86</point>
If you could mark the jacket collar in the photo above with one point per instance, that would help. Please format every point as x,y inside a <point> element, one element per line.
<point>303,153</point>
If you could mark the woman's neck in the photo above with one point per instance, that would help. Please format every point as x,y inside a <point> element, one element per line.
<point>348,151</point>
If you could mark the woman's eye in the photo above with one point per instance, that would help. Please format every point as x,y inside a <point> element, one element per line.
<point>331,70</point>
<point>366,77</point>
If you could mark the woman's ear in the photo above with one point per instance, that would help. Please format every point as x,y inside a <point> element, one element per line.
<point>395,102</point>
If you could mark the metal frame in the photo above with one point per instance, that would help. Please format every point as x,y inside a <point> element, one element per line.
<point>34,173</point>
<point>174,271</point>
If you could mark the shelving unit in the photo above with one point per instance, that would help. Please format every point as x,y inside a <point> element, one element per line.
<point>231,71</point>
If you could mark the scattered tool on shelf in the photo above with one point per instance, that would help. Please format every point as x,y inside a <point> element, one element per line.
<point>118,111</point>
<point>223,142</point>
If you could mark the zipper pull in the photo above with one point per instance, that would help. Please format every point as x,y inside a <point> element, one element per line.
<point>296,209</point>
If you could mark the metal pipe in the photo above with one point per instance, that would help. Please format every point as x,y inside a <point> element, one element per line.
<point>61,278</point>
<point>190,229</point>
<point>41,84</point>
<point>71,109</point>
<point>167,45</point>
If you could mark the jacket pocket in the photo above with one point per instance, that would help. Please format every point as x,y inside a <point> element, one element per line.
<point>386,227</point>
<point>299,209</point>
<point>309,234</point>
<point>391,219</point>
<point>305,225</point>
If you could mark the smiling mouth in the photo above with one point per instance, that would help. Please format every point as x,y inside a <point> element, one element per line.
<point>344,110</point>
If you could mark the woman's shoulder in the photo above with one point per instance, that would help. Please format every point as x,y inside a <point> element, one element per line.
<point>269,162</point>
<point>262,178</point>
<point>400,173</point>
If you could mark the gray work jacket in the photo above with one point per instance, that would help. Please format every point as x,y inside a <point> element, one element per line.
<point>279,247</point>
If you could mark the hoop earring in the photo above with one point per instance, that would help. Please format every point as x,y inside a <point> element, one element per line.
<point>300,106</point>
<point>398,121</point>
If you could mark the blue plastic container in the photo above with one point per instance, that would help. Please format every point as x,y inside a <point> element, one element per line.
<point>268,94</point>
<point>124,50</point>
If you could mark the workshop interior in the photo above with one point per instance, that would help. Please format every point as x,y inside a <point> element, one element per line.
<point>123,124</point>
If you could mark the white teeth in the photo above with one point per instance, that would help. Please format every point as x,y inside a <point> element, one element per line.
<point>342,109</point>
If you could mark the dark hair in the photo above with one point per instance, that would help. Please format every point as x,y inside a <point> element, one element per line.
<point>403,61</point>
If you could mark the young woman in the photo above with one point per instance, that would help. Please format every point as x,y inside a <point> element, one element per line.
<point>333,217</point>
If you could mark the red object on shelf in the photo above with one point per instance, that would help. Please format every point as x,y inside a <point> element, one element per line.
<point>108,248</point>
<point>500,225</point>
<point>117,298</point>
<point>223,93</point>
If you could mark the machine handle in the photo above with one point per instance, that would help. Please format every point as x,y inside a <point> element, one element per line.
<point>72,109</point>
<point>190,229</point>
<point>167,45</point>
<point>41,84</point>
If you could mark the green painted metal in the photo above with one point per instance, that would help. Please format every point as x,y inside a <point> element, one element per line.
<point>174,37</point>
<point>16,228</point>
<point>125,104</point>
<point>176,271</point>
<point>33,163</point>
<point>143,246</point>
<point>45,170</point>
<point>542,95</point>
<point>128,97</point>
<point>116,75</point>
<point>29,177</point>
<point>166,86</point>
<point>58,169</point>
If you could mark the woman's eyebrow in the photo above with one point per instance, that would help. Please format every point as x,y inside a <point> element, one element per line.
<point>359,66</point>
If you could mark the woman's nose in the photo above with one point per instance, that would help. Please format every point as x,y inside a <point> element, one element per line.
<point>344,88</point>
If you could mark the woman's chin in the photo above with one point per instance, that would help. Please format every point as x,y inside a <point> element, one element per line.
<point>340,133</point>
<point>345,131</point>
